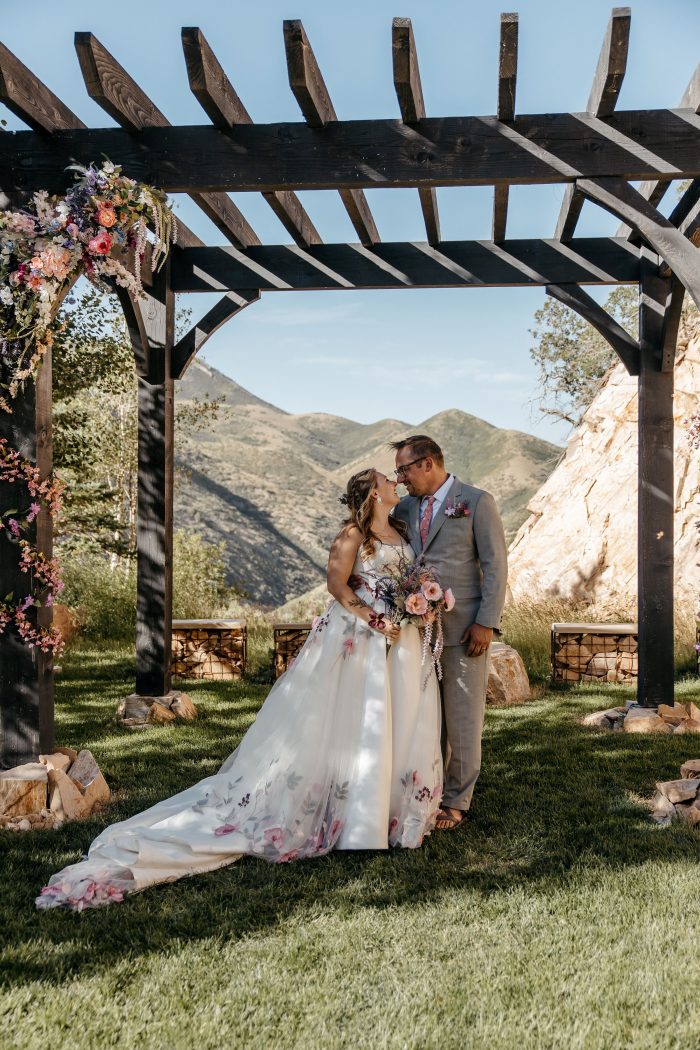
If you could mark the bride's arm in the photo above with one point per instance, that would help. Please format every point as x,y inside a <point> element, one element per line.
<point>341,562</point>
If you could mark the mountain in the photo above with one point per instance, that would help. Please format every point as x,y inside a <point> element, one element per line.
<point>266,483</point>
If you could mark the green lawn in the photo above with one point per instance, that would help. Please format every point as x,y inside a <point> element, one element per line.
<point>561,917</point>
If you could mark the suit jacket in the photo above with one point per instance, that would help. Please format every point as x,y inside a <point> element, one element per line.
<point>468,552</point>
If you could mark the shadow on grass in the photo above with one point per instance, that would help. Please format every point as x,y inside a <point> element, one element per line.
<point>555,801</point>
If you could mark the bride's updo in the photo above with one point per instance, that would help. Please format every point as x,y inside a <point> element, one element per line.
<point>358,500</point>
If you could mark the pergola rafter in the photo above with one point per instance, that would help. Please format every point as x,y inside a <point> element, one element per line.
<point>596,155</point>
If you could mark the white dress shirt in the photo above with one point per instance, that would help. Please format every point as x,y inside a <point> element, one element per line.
<point>438,496</point>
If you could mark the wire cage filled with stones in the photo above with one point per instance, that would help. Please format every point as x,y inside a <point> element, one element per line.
<point>594,652</point>
<point>209,648</point>
<point>288,638</point>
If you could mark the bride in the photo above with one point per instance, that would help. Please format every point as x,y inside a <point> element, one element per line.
<point>344,753</point>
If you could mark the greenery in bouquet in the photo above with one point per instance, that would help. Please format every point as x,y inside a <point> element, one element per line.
<point>412,594</point>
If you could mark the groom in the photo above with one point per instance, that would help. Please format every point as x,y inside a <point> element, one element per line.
<point>458,530</point>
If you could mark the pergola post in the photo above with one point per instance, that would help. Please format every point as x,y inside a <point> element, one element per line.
<point>152,330</point>
<point>26,674</point>
<point>659,313</point>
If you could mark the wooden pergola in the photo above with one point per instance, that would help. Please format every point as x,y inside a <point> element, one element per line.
<point>596,154</point>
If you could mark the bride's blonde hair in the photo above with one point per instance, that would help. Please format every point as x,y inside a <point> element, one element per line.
<point>358,500</point>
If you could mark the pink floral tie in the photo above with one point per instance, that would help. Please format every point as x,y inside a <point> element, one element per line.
<point>426,520</point>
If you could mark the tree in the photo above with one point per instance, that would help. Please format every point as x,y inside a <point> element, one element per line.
<point>95,426</point>
<point>572,358</point>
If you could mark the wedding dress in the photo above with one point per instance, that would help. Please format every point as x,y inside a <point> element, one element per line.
<point>344,754</point>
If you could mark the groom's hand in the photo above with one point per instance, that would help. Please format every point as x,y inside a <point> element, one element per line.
<point>477,639</point>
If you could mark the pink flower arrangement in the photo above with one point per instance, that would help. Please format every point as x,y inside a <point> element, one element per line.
<point>101,244</point>
<point>416,604</point>
<point>432,590</point>
<point>449,600</point>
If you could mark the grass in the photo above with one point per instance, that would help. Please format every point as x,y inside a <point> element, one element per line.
<point>560,917</point>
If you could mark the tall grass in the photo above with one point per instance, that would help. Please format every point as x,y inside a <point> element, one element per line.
<point>527,626</point>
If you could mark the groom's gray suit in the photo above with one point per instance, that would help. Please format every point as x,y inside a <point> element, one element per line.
<point>469,553</point>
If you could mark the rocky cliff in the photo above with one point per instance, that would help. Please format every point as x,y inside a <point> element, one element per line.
<point>580,541</point>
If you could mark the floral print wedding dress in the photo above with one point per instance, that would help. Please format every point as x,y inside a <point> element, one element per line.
<point>344,754</point>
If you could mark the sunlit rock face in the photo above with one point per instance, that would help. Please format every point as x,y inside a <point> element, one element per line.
<point>580,541</point>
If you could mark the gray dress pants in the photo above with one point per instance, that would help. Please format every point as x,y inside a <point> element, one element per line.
<point>463,690</point>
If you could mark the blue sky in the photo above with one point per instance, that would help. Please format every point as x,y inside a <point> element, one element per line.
<point>367,355</point>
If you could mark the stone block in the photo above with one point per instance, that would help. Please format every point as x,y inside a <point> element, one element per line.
<point>508,682</point>
<point>56,761</point>
<point>66,799</point>
<point>662,811</point>
<point>84,770</point>
<point>97,793</point>
<point>679,790</point>
<point>688,812</point>
<point>598,720</point>
<point>672,713</point>
<point>184,708</point>
<point>692,725</point>
<point>691,769</point>
<point>23,789</point>
<point>134,708</point>
<point>694,711</point>
<point>645,720</point>
<point>70,751</point>
<point>159,715</point>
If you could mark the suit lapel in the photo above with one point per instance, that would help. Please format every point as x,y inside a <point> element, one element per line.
<point>414,524</point>
<point>439,518</point>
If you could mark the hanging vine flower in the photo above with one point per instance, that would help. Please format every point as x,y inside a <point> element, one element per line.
<point>99,230</point>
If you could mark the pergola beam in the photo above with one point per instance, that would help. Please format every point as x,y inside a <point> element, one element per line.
<point>607,84</point>
<point>219,99</point>
<point>311,93</point>
<point>515,263</point>
<point>30,100</point>
<point>381,154</point>
<point>187,348</point>
<point>507,79</point>
<point>655,189</point>
<point>409,92</point>
<point>626,348</point>
<point>108,84</point>
<point>618,197</point>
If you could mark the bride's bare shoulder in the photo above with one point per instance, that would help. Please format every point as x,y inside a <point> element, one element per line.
<point>348,537</point>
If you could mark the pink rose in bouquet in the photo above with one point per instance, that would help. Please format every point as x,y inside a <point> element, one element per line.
<point>416,604</point>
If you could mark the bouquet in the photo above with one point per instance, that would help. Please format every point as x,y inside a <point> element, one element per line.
<point>412,593</point>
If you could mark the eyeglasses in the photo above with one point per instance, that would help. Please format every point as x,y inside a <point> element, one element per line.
<point>400,471</point>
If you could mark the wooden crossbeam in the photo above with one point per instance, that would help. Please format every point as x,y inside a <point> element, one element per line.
<point>655,189</point>
<point>618,197</point>
<point>607,84</point>
<point>595,261</point>
<point>626,348</point>
<point>409,92</point>
<point>109,85</point>
<point>217,96</point>
<point>465,151</point>
<point>186,349</point>
<point>30,100</point>
<point>311,93</point>
<point>507,79</point>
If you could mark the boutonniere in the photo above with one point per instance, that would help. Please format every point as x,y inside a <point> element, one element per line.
<point>457,510</point>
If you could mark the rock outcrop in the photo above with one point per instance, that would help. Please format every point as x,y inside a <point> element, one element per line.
<point>580,541</point>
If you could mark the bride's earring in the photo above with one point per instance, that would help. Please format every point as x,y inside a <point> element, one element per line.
<point>379,499</point>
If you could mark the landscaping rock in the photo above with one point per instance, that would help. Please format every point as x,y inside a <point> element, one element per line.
<point>673,714</point>
<point>694,711</point>
<point>680,728</point>
<point>679,790</point>
<point>690,770</point>
<point>56,760</point>
<point>84,770</point>
<point>692,725</point>
<point>508,682</point>
<point>134,709</point>
<point>645,720</point>
<point>69,751</point>
<point>66,800</point>
<point>97,793</point>
<point>598,720</point>
<point>23,789</point>
<point>690,814</point>
<point>662,811</point>
<point>159,715</point>
<point>184,708</point>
